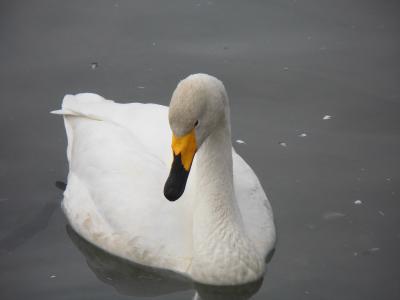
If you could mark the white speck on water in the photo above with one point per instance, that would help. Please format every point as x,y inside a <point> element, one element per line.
<point>154,44</point>
<point>371,251</point>
<point>109,278</point>
<point>302,134</point>
<point>355,253</point>
<point>381,213</point>
<point>309,37</point>
<point>240,142</point>
<point>327,117</point>
<point>94,65</point>
<point>333,215</point>
<point>362,169</point>
<point>140,87</point>
<point>306,292</point>
<point>358,202</point>
<point>286,69</point>
<point>53,276</point>
<point>388,179</point>
<point>323,48</point>
<point>283,144</point>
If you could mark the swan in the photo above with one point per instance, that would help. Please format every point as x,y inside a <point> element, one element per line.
<point>122,173</point>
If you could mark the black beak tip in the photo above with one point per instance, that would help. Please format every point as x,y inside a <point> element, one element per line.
<point>176,181</point>
<point>171,194</point>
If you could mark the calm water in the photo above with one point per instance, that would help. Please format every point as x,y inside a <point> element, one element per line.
<point>333,182</point>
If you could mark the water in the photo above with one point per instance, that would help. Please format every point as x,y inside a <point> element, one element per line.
<point>47,51</point>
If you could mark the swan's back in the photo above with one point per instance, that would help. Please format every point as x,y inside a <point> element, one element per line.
<point>118,165</point>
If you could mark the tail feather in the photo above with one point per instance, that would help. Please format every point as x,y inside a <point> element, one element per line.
<point>86,105</point>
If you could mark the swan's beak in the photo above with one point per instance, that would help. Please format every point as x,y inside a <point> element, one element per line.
<point>183,148</point>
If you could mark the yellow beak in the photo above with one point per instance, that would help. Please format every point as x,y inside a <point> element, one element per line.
<point>185,146</point>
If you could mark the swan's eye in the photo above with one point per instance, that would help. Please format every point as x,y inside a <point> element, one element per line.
<point>196,123</point>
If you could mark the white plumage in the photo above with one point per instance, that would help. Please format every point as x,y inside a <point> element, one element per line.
<point>218,232</point>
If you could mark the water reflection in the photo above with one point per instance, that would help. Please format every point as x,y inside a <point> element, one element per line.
<point>136,280</point>
<point>239,292</point>
<point>26,231</point>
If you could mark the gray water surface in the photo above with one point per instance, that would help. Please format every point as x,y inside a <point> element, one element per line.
<point>333,182</point>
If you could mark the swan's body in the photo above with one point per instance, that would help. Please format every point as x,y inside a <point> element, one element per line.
<point>221,229</point>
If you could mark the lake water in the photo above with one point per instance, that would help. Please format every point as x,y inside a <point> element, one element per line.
<point>315,102</point>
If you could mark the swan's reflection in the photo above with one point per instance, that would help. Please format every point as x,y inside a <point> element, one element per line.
<point>141,281</point>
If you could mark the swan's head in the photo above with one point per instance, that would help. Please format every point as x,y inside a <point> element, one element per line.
<point>198,106</point>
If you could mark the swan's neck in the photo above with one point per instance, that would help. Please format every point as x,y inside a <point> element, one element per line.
<point>221,249</point>
<point>214,173</point>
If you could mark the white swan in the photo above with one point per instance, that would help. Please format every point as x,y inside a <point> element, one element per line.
<point>220,230</point>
